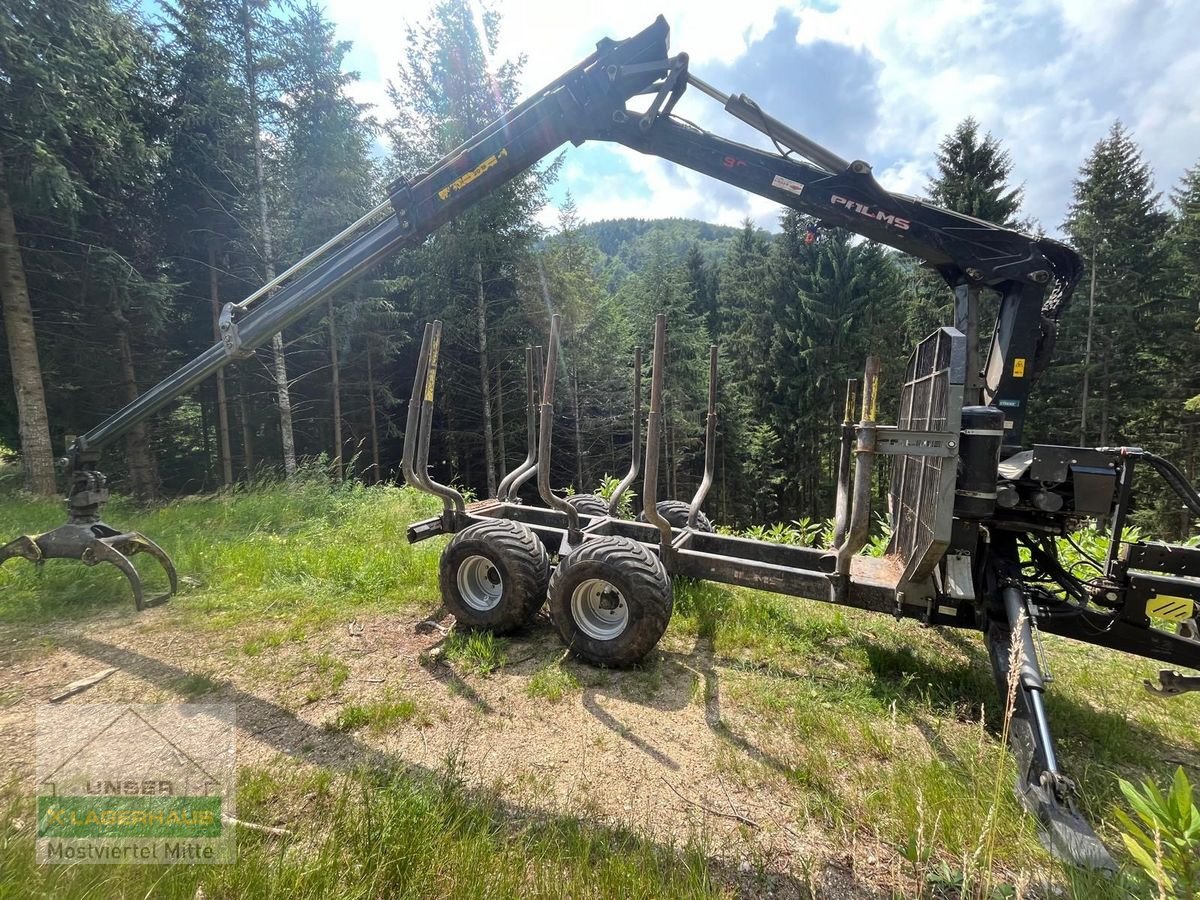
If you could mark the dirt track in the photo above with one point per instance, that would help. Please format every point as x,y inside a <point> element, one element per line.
<point>660,751</point>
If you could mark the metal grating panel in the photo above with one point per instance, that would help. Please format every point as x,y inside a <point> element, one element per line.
<point>922,490</point>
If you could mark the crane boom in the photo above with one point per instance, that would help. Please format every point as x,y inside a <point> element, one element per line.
<point>589,103</point>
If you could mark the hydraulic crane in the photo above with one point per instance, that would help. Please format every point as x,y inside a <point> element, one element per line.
<point>974,536</point>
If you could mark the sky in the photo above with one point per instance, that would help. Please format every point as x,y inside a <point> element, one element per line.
<point>873,80</point>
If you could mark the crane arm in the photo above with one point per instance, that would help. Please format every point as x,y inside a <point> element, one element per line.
<point>590,102</point>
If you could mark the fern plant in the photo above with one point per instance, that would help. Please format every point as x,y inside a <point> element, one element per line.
<point>608,486</point>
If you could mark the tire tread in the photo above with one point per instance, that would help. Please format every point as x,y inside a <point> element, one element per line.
<point>528,570</point>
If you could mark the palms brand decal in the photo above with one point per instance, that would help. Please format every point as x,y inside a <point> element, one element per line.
<point>870,212</point>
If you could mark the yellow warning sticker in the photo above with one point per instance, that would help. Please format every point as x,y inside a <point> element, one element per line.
<point>1173,609</point>
<point>1019,367</point>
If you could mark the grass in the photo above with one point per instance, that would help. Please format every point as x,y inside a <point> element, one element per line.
<point>885,728</point>
<point>873,729</point>
<point>381,715</point>
<point>477,652</point>
<point>551,682</point>
<point>194,685</point>
<point>328,675</point>
<point>375,835</point>
<point>280,559</point>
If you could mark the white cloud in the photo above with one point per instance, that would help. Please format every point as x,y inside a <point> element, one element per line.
<point>1046,76</point>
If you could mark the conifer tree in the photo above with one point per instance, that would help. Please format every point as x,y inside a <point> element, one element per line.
<point>329,173</point>
<point>207,172</point>
<point>447,88</point>
<point>973,176</point>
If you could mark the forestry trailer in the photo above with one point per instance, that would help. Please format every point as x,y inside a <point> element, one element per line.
<point>976,516</point>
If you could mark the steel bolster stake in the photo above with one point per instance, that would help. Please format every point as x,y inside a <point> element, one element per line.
<point>502,492</point>
<point>419,429</point>
<point>710,441</point>
<point>412,424</point>
<point>636,437</point>
<point>845,451</point>
<point>653,439</point>
<point>527,472</point>
<point>864,462</point>
<point>546,426</point>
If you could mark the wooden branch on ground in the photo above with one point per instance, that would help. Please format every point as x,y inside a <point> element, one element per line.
<point>265,829</point>
<point>737,817</point>
<point>78,687</point>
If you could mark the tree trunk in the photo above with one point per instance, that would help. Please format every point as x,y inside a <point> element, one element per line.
<point>580,485</point>
<point>247,436</point>
<point>287,436</point>
<point>37,454</point>
<point>1087,354</point>
<point>485,383</point>
<point>371,411</point>
<point>1106,387</point>
<point>336,388</point>
<point>143,476</point>
<point>222,402</point>
<point>503,467</point>
<point>206,443</point>
<point>1189,462</point>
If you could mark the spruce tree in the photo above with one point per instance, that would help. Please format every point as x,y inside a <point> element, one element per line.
<point>447,88</point>
<point>207,172</point>
<point>81,118</point>
<point>328,172</point>
<point>973,176</point>
<point>1117,225</point>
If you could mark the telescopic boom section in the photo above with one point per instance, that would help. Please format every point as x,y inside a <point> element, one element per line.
<point>571,107</point>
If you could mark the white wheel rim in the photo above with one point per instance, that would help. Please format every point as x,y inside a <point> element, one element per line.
<point>599,609</point>
<point>480,583</point>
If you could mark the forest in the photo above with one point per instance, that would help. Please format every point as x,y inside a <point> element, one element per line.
<point>158,162</point>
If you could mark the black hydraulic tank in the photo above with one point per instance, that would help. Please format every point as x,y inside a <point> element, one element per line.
<point>978,462</point>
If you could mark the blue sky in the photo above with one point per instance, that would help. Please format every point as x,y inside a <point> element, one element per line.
<point>879,81</point>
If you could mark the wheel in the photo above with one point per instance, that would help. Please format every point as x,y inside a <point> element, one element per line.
<point>494,575</point>
<point>589,504</point>
<point>610,599</point>
<point>676,514</point>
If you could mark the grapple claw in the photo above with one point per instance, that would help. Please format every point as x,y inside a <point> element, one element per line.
<point>1172,684</point>
<point>133,542</point>
<point>93,544</point>
<point>25,547</point>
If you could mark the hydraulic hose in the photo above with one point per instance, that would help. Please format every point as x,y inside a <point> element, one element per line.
<point>1176,479</point>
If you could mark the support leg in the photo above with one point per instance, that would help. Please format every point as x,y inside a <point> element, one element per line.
<point>1041,786</point>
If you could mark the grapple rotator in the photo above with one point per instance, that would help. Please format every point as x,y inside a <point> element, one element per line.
<point>90,540</point>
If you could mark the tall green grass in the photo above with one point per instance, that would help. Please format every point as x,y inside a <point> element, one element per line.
<point>296,553</point>
<point>375,835</point>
